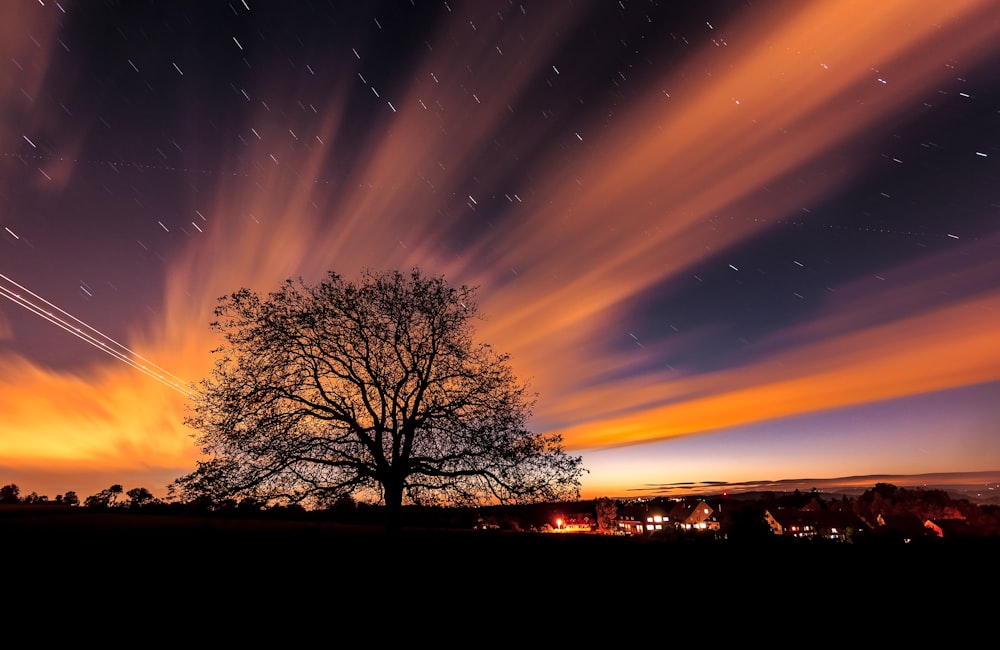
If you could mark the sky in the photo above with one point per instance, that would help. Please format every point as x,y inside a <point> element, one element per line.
<point>723,241</point>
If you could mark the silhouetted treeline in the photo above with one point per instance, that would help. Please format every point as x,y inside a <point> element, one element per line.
<point>11,493</point>
<point>883,507</point>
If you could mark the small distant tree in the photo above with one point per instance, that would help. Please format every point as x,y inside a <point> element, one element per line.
<point>139,497</point>
<point>606,510</point>
<point>10,493</point>
<point>374,388</point>
<point>106,498</point>
<point>344,504</point>
<point>34,497</point>
<point>250,504</point>
<point>71,498</point>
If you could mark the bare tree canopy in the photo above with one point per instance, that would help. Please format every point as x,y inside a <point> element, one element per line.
<point>373,388</point>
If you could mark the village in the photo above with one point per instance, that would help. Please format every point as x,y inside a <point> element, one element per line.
<point>885,512</point>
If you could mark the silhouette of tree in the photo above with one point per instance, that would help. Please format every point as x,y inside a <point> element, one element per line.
<point>373,388</point>
<point>605,510</point>
<point>106,498</point>
<point>139,497</point>
<point>249,504</point>
<point>10,493</point>
<point>71,499</point>
<point>745,523</point>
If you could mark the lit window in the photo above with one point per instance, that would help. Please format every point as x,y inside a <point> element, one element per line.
<point>657,518</point>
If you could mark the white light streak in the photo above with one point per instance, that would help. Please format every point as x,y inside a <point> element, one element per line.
<point>31,301</point>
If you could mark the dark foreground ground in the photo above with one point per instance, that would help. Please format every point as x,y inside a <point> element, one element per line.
<point>261,574</point>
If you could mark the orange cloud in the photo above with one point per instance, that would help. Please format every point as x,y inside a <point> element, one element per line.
<point>950,347</point>
<point>109,419</point>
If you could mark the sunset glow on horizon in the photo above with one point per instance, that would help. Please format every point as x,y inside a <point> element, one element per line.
<point>734,243</point>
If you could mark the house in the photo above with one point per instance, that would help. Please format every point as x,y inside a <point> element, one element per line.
<point>576,523</point>
<point>642,518</point>
<point>649,518</point>
<point>837,525</point>
<point>789,522</point>
<point>630,520</point>
<point>694,515</point>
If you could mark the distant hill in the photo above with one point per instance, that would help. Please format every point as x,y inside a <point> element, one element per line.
<point>981,488</point>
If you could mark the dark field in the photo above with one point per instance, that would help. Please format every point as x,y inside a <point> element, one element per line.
<point>141,581</point>
<point>311,566</point>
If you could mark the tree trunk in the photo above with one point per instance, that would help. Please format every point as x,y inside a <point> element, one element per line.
<point>394,506</point>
